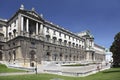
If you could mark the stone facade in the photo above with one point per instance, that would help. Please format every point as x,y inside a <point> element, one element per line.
<point>27,38</point>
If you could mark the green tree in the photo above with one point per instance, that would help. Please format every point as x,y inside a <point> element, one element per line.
<point>115,49</point>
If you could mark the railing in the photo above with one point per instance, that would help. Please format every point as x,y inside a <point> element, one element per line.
<point>89,70</point>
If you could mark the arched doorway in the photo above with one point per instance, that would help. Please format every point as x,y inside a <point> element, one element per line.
<point>32,58</point>
<point>48,56</point>
<point>1,56</point>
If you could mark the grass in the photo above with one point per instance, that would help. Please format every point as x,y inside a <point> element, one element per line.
<point>111,74</point>
<point>5,69</point>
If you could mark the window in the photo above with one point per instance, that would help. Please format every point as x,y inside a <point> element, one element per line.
<point>32,42</point>
<point>64,35</point>
<point>73,44</point>
<point>69,37</point>
<point>69,44</point>
<point>32,55</point>
<point>47,30</point>
<point>48,47</point>
<point>14,32</point>
<point>54,32</point>
<point>10,27</point>
<point>10,56</point>
<point>79,46</point>
<point>14,54</point>
<point>60,49</point>
<point>0,47</point>
<point>65,42</point>
<point>60,34</point>
<point>9,45</point>
<point>10,35</point>
<point>76,40</point>
<point>60,41</point>
<point>54,39</point>
<point>14,23</point>
<point>65,50</point>
<point>1,27</point>
<point>55,48</point>
<point>48,38</point>
<point>13,44</point>
<point>73,39</point>
<point>76,45</point>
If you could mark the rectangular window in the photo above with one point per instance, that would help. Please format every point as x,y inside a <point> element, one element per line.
<point>60,34</point>
<point>0,47</point>
<point>54,33</point>
<point>69,37</point>
<point>14,23</point>
<point>47,30</point>
<point>64,35</point>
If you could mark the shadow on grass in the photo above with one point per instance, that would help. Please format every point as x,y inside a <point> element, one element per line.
<point>112,71</point>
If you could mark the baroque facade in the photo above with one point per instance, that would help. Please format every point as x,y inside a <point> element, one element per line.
<point>27,38</point>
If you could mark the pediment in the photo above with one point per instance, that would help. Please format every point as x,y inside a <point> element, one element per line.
<point>33,13</point>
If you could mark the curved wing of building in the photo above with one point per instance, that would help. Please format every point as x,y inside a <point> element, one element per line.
<point>27,38</point>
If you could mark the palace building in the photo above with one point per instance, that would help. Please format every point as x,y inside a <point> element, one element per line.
<point>27,38</point>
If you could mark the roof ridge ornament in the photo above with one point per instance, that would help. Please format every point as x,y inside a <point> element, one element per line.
<point>33,9</point>
<point>41,15</point>
<point>22,7</point>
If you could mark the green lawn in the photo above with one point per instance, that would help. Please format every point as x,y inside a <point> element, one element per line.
<point>111,74</point>
<point>4,69</point>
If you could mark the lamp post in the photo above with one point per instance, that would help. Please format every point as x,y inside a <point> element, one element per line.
<point>36,67</point>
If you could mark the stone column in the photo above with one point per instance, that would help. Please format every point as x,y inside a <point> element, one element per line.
<point>37,28</point>
<point>41,32</point>
<point>87,56</point>
<point>22,22</point>
<point>41,28</point>
<point>27,27</point>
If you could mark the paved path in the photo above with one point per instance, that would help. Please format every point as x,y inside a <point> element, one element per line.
<point>16,73</point>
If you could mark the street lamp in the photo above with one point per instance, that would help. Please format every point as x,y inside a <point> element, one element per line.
<point>36,66</point>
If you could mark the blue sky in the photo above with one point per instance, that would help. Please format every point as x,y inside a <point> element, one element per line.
<point>101,17</point>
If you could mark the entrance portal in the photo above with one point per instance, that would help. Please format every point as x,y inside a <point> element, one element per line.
<point>32,58</point>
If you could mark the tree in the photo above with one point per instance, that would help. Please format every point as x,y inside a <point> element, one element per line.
<point>115,49</point>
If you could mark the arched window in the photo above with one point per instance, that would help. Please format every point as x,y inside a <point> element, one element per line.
<point>60,41</point>
<point>14,32</point>
<point>65,42</point>
<point>10,35</point>
<point>14,55</point>
<point>10,56</point>
<point>69,44</point>
<point>47,38</point>
<point>32,55</point>
<point>74,58</point>
<point>0,56</point>
<point>61,55</point>
<point>54,39</point>
<point>70,57</point>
